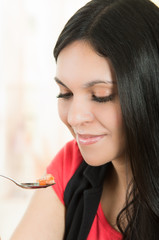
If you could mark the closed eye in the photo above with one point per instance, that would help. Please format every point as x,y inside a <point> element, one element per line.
<point>103,99</point>
<point>94,98</point>
<point>65,95</point>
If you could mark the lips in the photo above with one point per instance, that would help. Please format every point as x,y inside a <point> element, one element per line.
<point>88,139</point>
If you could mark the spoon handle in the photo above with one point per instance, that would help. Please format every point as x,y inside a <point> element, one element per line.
<point>10,180</point>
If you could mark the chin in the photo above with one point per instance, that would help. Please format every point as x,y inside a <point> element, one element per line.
<point>95,162</point>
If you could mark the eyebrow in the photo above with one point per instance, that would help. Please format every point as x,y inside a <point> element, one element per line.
<point>92,83</point>
<point>86,85</point>
<point>59,82</point>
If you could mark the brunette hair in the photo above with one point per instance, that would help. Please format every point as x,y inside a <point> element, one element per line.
<point>127,32</point>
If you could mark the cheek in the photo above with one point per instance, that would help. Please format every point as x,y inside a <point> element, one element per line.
<point>118,120</point>
<point>63,112</point>
<point>119,117</point>
<point>111,118</point>
<point>117,127</point>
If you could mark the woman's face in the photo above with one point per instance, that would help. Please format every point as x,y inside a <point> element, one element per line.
<point>88,103</point>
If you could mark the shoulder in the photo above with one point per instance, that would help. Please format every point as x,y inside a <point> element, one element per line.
<point>69,157</point>
<point>64,165</point>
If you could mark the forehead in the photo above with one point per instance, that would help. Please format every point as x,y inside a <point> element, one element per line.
<point>79,61</point>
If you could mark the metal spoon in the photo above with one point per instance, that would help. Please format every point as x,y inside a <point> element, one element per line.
<point>28,185</point>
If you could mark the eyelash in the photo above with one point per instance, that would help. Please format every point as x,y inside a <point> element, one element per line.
<point>65,95</point>
<point>103,99</point>
<point>94,98</point>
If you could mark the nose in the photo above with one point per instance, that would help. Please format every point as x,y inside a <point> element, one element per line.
<point>80,113</point>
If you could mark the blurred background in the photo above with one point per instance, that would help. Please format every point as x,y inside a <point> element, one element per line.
<point>30,130</point>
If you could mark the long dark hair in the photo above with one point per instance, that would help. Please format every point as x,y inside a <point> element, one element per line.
<point>127,32</point>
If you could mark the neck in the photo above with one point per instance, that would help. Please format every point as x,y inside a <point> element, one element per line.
<point>115,190</point>
<point>121,174</point>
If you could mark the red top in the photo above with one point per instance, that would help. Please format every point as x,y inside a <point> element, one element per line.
<point>62,168</point>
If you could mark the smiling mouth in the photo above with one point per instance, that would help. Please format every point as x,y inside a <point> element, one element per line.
<point>88,139</point>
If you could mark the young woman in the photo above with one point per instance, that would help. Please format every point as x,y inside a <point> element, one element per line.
<point>107,178</point>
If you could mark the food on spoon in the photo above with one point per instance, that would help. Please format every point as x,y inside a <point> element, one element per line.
<point>48,179</point>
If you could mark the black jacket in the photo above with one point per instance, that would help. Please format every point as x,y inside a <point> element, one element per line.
<point>82,196</point>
